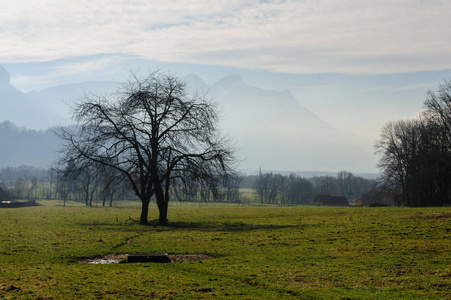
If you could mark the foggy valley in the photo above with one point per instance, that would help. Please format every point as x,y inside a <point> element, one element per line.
<point>271,129</point>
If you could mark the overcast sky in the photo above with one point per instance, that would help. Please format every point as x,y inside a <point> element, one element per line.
<point>357,64</point>
<point>310,36</point>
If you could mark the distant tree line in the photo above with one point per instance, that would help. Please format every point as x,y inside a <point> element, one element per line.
<point>94,186</point>
<point>25,182</point>
<point>274,188</point>
<point>28,182</point>
<point>415,155</point>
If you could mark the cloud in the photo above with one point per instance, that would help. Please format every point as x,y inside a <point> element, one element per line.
<point>423,86</point>
<point>76,68</point>
<point>310,36</point>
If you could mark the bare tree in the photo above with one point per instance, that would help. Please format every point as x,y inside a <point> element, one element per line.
<point>416,161</point>
<point>298,190</point>
<point>152,131</point>
<point>51,176</point>
<point>438,117</point>
<point>399,148</point>
<point>269,187</point>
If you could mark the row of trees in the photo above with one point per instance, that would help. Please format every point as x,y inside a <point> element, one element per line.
<point>292,189</point>
<point>25,182</point>
<point>28,182</point>
<point>94,186</point>
<point>415,155</point>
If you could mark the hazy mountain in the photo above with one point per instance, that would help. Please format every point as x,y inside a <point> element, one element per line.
<point>21,146</point>
<point>275,132</point>
<point>58,100</point>
<point>20,109</point>
<point>272,129</point>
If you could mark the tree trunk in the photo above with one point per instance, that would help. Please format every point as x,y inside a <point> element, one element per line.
<point>144,211</point>
<point>162,205</point>
<point>92,196</point>
<point>87,196</point>
<point>163,209</point>
<point>50,192</point>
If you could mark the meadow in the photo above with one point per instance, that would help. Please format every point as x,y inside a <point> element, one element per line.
<point>257,252</point>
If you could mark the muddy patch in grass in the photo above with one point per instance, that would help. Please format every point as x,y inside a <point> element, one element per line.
<point>188,257</point>
<point>122,258</point>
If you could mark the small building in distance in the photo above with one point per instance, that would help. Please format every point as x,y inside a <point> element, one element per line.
<point>328,200</point>
<point>358,202</point>
<point>376,198</point>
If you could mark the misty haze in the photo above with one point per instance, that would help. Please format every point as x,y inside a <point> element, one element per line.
<point>225,149</point>
<point>272,129</point>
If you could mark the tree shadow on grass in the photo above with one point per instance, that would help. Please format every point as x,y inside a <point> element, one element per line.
<point>223,226</point>
<point>226,226</point>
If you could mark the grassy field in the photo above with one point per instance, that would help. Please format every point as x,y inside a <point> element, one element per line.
<point>258,253</point>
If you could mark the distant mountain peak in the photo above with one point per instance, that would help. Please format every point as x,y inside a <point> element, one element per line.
<point>4,77</point>
<point>230,81</point>
<point>195,83</point>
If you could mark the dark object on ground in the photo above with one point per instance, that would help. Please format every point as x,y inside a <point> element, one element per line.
<point>149,257</point>
<point>12,204</point>
<point>379,204</point>
<point>122,258</point>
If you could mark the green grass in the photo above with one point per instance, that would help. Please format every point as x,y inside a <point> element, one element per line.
<point>259,252</point>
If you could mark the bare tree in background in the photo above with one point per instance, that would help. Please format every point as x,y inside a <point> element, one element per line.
<point>152,131</point>
<point>415,155</point>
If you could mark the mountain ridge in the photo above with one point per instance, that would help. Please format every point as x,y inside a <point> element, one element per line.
<point>272,129</point>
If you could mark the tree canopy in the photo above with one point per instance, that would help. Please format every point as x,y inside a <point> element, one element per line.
<point>153,133</point>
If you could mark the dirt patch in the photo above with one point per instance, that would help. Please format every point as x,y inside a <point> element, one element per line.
<point>116,258</point>
<point>188,257</point>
